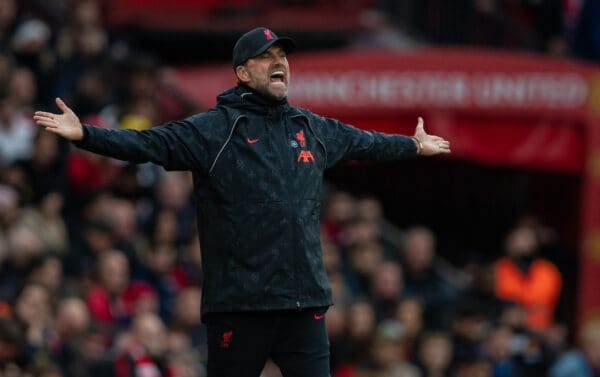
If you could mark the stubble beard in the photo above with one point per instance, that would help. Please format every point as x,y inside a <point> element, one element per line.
<point>262,87</point>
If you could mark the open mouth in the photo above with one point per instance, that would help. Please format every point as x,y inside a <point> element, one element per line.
<point>277,76</point>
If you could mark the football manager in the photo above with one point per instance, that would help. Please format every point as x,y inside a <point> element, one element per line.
<point>258,165</point>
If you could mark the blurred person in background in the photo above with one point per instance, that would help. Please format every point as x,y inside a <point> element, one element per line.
<point>498,350</point>
<point>336,325</point>
<point>47,271</point>
<point>190,262</point>
<point>515,354</point>
<point>105,297</point>
<point>172,199</point>
<point>22,87</point>
<point>16,131</point>
<point>8,21</point>
<point>149,93</point>
<point>584,361</point>
<point>70,326</point>
<point>34,312</point>
<point>338,279</point>
<point>32,50</point>
<point>409,312</point>
<point>144,351</point>
<point>339,210</point>
<point>435,354</point>
<point>370,209</point>
<point>83,14</point>
<point>363,259</point>
<point>187,317</point>
<point>139,297</point>
<point>89,171</point>
<point>12,344</point>
<point>45,219</point>
<point>360,231</point>
<point>425,276</point>
<point>42,175</point>
<point>162,273</point>
<point>83,35</point>
<point>122,215</point>
<point>469,329</point>
<point>96,237</point>
<point>360,326</point>
<point>9,213</point>
<point>23,246</point>
<point>236,187</point>
<point>185,361</point>
<point>164,227</point>
<point>526,278</point>
<point>388,355</point>
<point>386,289</point>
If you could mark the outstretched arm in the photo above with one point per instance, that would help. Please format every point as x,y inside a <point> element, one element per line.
<point>177,145</point>
<point>345,142</point>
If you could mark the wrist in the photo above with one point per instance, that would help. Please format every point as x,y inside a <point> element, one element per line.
<point>418,145</point>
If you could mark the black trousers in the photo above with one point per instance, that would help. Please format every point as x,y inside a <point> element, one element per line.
<point>240,343</point>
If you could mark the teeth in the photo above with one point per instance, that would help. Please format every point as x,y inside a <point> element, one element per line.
<point>277,73</point>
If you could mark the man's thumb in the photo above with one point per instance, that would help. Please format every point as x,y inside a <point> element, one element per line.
<point>420,127</point>
<point>61,105</point>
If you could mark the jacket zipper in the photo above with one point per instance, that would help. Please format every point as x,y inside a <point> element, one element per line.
<point>235,122</point>
<point>310,127</point>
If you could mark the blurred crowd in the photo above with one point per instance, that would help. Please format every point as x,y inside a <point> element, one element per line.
<point>100,266</point>
<point>556,27</point>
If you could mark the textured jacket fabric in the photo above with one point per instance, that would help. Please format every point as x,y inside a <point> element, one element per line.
<point>258,169</point>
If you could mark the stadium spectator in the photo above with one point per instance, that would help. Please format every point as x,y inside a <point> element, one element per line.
<point>435,354</point>
<point>527,279</point>
<point>386,289</point>
<point>388,355</point>
<point>144,350</point>
<point>163,274</point>
<point>16,131</point>
<point>71,324</point>
<point>409,312</point>
<point>105,296</point>
<point>426,277</point>
<point>582,362</point>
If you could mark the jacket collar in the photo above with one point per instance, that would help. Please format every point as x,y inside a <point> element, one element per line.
<point>244,98</point>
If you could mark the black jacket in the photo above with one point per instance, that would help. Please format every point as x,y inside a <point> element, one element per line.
<point>258,169</point>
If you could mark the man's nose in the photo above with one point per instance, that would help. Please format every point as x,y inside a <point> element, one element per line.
<point>278,60</point>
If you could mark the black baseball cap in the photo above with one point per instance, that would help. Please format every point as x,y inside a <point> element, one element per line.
<point>257,41</point>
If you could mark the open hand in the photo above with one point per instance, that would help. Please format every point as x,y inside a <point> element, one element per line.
<point>431,144</point>
<point>66,124</point>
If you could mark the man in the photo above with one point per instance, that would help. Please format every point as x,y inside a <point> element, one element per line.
<point>258,164</point>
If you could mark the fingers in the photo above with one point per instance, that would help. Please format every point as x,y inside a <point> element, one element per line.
<point>62,106</point>
<point>445,147</point>
<point>45,122</point>
<point>44,114</point>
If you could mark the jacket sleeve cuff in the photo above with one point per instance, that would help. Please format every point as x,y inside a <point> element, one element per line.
<point>86,135</point>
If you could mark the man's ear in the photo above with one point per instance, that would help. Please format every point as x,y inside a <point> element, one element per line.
<point>242,74</point>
